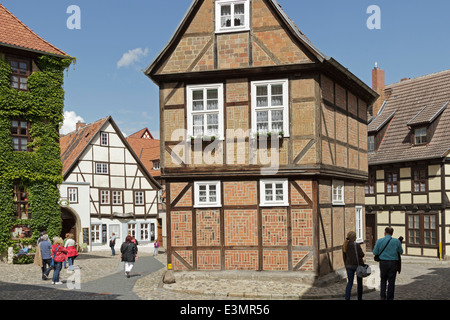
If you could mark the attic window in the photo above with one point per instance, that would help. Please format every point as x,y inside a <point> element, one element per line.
<point>420,136</point>
<point>232,15</point>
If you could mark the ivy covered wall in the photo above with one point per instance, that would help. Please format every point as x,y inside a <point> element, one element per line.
<point>39,170</point>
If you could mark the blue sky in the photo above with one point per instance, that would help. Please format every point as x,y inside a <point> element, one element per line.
<point>413,41</point>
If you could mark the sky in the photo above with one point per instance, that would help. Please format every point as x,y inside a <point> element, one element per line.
<point>120,38</point>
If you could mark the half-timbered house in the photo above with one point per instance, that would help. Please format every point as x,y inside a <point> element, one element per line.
<point>106,187</point>
<point>409,170</point>
<point>263,142</point>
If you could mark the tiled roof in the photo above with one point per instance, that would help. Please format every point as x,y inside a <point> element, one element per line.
<point>416,101</point>
<point>73,144</point>
<point>16,34</point>
<point>147,150</point>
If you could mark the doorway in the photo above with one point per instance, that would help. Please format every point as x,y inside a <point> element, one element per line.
<point>370,230</point>
<point>69,223</point>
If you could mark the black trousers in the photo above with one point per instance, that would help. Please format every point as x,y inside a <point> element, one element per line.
<point>388,273</point>
<point>46,268</point>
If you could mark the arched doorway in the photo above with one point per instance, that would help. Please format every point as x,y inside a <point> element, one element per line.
<point>69,223</point>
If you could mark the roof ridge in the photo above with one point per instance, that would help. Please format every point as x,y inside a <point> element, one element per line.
<point>418,78</point>
<point>29,29</point>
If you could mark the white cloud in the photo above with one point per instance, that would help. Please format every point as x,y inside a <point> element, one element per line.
<point>132,56</point>
<point>70,122</point>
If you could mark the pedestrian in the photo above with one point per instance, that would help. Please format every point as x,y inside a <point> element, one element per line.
<point>72,252</point>
<point>43,256</point>
<point>388,249</point>
<point>112,243</point>
<point>129,251</point>
<point>58,256</point>
<point>156,246</point>
<point>353,256</point>
<point>66,237</point>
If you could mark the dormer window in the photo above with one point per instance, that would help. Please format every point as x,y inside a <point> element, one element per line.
<point>420,136</point>
<point>232,15</point>
<point>371,144</point>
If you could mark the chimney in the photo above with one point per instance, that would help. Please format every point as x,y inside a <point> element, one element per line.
<point>378,86</point>
<point>80,125</point>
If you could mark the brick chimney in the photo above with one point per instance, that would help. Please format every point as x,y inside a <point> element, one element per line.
<point>80,125</point>
<point>378,85</point>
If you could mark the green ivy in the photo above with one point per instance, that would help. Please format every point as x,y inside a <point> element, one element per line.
<point>40,170</point>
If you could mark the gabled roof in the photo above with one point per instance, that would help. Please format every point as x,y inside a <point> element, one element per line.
<point>148,150</point>
<point>142,134</point>
<point>75,143</point>
<point>418,101</point>
<point>295,32</point>
<point>14,33</point>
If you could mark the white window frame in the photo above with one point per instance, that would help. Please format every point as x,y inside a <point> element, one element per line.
<point>96,230</point>
<point>208,203</point>
<point>101,168</point>
<point>132,229</point>
<point>72,195</point>
<point>359,226</point>
<point>191,112</point>
<point>144,226</point>
<point>338,192</point>
<point>117,197</point>
<point>139,198</point>
<point>273,203</point>
<point>269,107</point>
<point>103,194</point>
<point>232,3</point>
<point>104,139</point>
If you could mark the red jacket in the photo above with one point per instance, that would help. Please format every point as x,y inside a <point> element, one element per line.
<point>60,254</point>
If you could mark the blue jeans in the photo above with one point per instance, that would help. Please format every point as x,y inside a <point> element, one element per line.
<point>113,251</point>
<point>58,267</point>
<point>351,276</point>
<point>71,260</point>
<point>388,273</point>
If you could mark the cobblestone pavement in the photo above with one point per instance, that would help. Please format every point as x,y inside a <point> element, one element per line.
<point>101,278</point>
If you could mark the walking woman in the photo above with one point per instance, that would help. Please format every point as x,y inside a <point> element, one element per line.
<point>72,252</point>
<point>129,251</point>
<point>353,255</point>
<point>59,256</point>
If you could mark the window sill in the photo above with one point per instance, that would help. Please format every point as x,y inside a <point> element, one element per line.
<point>336,203</point>
<point>207,206</point>
<point>232,30</point>
<point>274,204</point>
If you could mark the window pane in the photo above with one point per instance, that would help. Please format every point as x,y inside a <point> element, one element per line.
<point>23,144</point>
<point>268,192</point>
<point>277,95</point>
<point>262,121</point>
<point>277,120</point>
<point>197,100</point>
<point>225,12</point>
<point>213,124</point>
<point>239,16</point>
<point>23,67</point>
<point>213,99</point>
<point>261,96</point>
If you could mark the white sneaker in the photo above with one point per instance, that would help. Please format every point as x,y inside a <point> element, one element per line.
<point>59,282</point>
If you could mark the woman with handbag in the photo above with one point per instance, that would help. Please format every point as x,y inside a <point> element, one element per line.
<point>353,257</point>
<point>58,257</point>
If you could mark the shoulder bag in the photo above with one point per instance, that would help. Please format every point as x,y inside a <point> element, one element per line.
<point>377,257</point>
<point>52,263</point>
<point>363,270</point>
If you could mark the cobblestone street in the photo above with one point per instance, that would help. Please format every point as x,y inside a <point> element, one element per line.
<point>102,278</point>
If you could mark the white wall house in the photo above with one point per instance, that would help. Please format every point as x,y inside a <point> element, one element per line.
<point>106,188</point>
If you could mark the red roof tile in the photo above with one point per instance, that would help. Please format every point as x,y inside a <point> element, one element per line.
<point>146,149</point>
<point>14,33</point>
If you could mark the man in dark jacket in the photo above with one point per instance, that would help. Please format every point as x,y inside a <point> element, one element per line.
<point>129,251</point>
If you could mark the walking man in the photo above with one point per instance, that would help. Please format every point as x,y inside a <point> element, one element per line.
<point>389,250</point>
